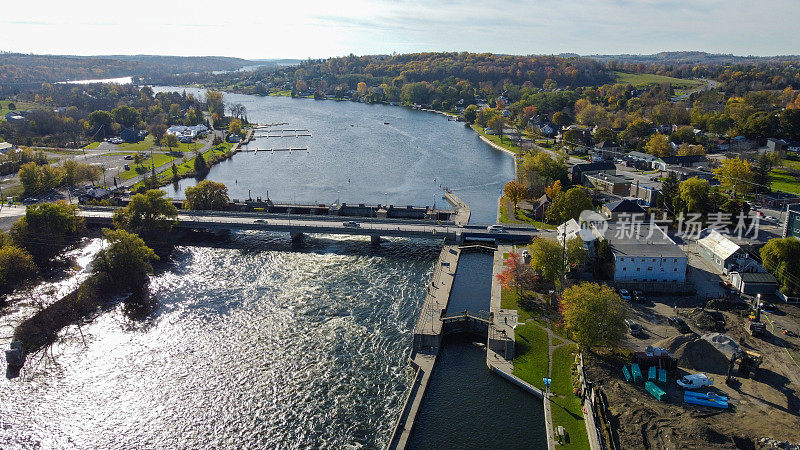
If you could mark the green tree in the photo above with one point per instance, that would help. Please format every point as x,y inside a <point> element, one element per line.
<point>569,205</point>
<point>235,127</point>
<point>594,315</point>
<point>147,215</point>
<point>215,103</point>
<point>126,260</point>
<point>16,266</point>
<point>605,134</point>
<point>735,174</point>
<point>207,195</point>
<point>127,116</point>
<point>470,113</point>
<point>100,119</point>
<point>670,189</point>
<point>497,123</point>
<point>170,141</point>
<point>694,193</point>
<point>200,166</point>
<point>576,252</point>
<point>573,138</point>
<point>547,257</point>
<point>47,229</point>
<point>158,130</point>
<point>515,192</point>
<point>562,119</point>
<point>780,257</point>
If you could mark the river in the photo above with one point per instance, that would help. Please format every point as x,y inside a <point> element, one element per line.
<point>355,157</point>
<point>256,342</point>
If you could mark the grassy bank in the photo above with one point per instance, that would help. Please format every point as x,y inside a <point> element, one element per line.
<point>186,169</point>
<point>520,217</point>
<point>783,180</point>
<point>565,407</point>
<point>505,143</point>
<point>158,160</point>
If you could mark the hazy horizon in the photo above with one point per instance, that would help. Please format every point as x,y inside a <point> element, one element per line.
<point>312,29</point>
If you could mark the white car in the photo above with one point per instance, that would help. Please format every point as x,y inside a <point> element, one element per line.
<point>351,224</point>
<point>695,381</point>
<point>495,228</point>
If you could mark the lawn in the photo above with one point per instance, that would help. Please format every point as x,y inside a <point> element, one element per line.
<point>506,143</point>
<point>530,362</point>
<point>521,217</point>
<point>148,142</point>
<point>647,79</point>
<point>565,407</point>
<point>19,106</point>
<point>188,166</point>
<point>158,160</point>
<point>784,181</point>
<point>91,145</point>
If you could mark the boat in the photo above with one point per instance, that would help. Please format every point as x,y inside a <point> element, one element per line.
<point>386,123</point>
<point>479,344</point>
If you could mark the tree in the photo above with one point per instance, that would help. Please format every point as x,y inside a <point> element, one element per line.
<point>761,173</point>
<point>200,166</point>
<point>12,106</point>
<point>47,229</point>
<point>147,215</point>
<point>547,258</point>
<point>694,193</point>
<point>235,127</point>
<point>562,119</point>
<point>670,189</point>
<point>16,265</point>
<point>101,119</point>
<point>517,275</point>
<point>781,256</point>
<point>158,130</point>
<point>658,145</point>
<point>605,134</point>
<point>515,192</point>
<point>594,315</point>
<point>569,205</point>
<point>470,113</point>
<point>553,190</point>
<point>735,174</point>
<point>215,104</point>
<point>576,252</point>
<point>207,195</point>
<point>170,141</point>
<point>125,262</point>
<point>35,178</point>
<point>498,124</point>
<point>573,138</point>
<point>127,116</point>
<point>688,149</point>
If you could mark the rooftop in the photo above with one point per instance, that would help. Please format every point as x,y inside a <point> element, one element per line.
<point>717,243</point>
<point>609,178</point>
<point>624,205</point>
<point>748,277</point>
<point>631,240</point>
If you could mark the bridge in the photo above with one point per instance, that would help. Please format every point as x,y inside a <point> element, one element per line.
<point>298,225</point>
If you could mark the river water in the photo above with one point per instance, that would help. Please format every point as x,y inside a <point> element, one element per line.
<point>355,157</point>
<point>257,343</point>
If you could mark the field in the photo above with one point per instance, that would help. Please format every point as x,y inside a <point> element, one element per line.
<point>520,217</point>
<point>91,145</point>
<point>506,143</point>
<point>18,106</point>
<point>148,142</point>
<point>158,160</point>
<point>783,180</point>
<point>646,79</point>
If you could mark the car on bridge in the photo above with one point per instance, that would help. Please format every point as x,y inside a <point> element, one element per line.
<point>260,221</point>
<point>495,229</point>
<point>351,224</point>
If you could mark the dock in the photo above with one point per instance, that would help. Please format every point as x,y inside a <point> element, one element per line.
<point>427,342</point>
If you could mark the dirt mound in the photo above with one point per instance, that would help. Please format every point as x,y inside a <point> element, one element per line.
<point>722,342</point>
<point>695,353</point>
<point>707,320</point>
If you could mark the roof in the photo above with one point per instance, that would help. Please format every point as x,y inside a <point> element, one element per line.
<point>640,155</point>
<point>683,159</point>
<point>585,167</point>
<point>572,229</point>
<point>718,244</point>
<point>609,178</point>
<point>606,144</point>
<point>748,277</point>
<point>5,146</point>
<point>624,205</point>
<point>640,241</point>
<point>543,200</point>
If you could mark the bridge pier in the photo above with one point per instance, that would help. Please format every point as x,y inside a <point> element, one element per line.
<point>375,239</point>
<point>296,236</point>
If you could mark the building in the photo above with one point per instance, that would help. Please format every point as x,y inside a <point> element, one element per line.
<point>754,283</point>
<point>684,173</point>
<point>5,147</point>
<point>605,151</point>
<point>777,199</point>
<point>610,184</point>
<point>681,161</point>
<point>614,210</point>
<point>539,208</point>
<point>571,229</point>
<point>577,172</point>
<point>724,254</point>
<point>791,224</point>
<point>130,135</point>
<point>646,191</point>
<point>641,160</point>
<point>776,145</point>
<point>647,257</point>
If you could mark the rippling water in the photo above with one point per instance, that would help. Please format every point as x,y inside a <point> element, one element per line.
<point>254,346</point>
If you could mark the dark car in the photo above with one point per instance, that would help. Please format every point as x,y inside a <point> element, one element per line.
<point>679,324</point>
<point>30,201</point>
<point>638,296</point>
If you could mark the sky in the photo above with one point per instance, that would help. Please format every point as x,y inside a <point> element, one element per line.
<point>316,29</point>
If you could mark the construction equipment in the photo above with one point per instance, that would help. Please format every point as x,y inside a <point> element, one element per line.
<point>748,362</point>
<point>757,328</point>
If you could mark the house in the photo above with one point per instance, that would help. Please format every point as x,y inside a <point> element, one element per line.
<point>606,150</point>
<point>571,229</point>
<point>642,160</point>
<point>577,172</point>
<point>129,135</point>
<point>646,256</point>
<point>791,225</point>
<point>724,254</point>
<point>684,173</point>
<point>777,199</point>
<point>776,145</point>
<point>610,184</point>
<point>94,195</point>
<point>548,130</point>
<point>538,209</point>
<point>681,161</point>
<point>5,147</point>
<point>233,138</point>
<point>793,146</point>
<point>754,283</point>
<point>622,208</point>
<point>15,116</point>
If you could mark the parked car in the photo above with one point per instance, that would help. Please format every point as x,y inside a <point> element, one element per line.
<point>260,221</point>
<point>351,224</point>
<point>128,157</point>
<point>695,381</point>
<point>495,228</point>
<point>30,201</point>
<point>638,296</point>
<point>679,324</point>
<point>634,328</point>
<point>625,295</point>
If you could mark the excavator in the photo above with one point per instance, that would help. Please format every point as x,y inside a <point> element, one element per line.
<point>748,362</point>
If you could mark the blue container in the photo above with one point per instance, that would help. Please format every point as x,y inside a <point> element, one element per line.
<point>636,372</point>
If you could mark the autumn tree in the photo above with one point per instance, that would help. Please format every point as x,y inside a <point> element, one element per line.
<point>689,149</point>
<point>517,275</point>
<point>569,205</point>
<point>694,194</point>
<point>16,266</point>
<point>497,123</point>
<point>515,192</point>
<point>735,174</point>
<point>576,252</point>
<point>207,195</point>
<point>594,315</point>
<point>553,190</point>
<point>658,145</point>
<point>235,127</point>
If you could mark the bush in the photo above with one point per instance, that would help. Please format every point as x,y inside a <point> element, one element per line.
<point>47,229</point>
<point>16,265</point>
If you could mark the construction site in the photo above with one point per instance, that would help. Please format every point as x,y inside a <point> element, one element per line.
<point>692,374</point>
